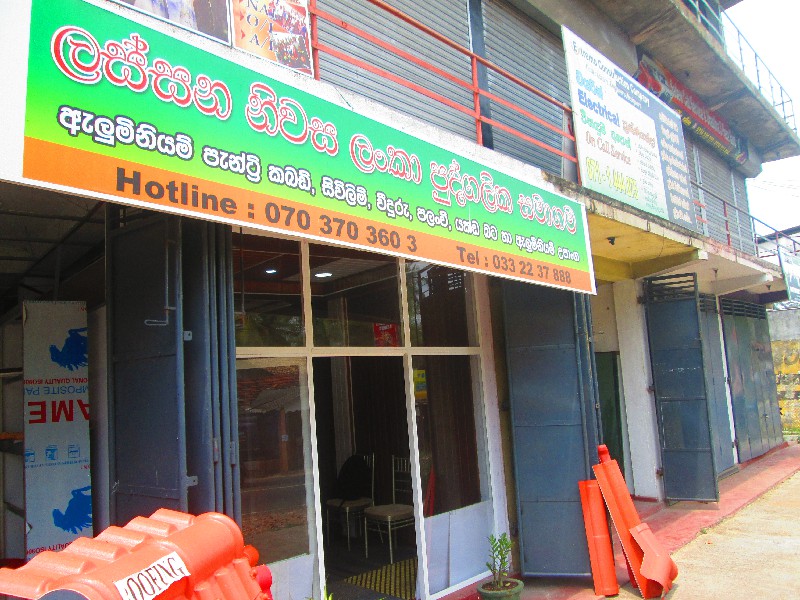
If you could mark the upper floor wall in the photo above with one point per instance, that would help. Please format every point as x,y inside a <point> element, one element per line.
<point>405,56</point>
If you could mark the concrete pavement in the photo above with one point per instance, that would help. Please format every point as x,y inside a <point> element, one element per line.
<point>692,531</point>
<point>755,553</point>
<point>747,545</point>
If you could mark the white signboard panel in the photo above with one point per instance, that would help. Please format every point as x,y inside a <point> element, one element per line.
<point>630,144</point>
<point>58,496</point>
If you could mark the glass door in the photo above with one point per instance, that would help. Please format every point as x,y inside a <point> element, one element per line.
<point>277,488</point>
<point>370,528</point>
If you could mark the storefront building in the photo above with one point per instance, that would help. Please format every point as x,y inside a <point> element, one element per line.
<point>290,251</point>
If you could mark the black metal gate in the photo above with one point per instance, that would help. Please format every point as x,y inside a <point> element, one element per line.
<point>679,385</point>
<point>554,422</point>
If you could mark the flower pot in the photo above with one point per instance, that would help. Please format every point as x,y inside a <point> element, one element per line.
<point>509,593</point>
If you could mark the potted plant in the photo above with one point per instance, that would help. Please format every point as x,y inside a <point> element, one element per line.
<point>501,585</point>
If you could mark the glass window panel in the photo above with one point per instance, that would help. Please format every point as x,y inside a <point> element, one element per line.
<point>267,291</point>
<point>439,305</point>
<point>354,298</point>
<point>457,503</point>
<point>448,445</point>
<point>275,459</point>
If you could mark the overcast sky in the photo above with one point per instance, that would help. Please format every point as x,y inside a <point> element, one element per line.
<point>773,28</point>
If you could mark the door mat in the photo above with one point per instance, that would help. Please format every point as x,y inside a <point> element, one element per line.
<point>399,579</point>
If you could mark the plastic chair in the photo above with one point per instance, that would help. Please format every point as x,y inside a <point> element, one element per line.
<point>394,516</point>
<point>351,506</point>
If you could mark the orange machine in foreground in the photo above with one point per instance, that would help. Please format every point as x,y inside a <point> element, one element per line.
<point>169,556</point>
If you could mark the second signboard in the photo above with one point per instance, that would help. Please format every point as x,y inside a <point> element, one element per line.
<point>630,144</point>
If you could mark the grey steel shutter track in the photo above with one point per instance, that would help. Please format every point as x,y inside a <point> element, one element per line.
<point>745,233</point>
<point>695,178</point>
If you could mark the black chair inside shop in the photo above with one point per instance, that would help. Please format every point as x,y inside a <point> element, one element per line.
<point>354,492</point>
<point>394,516</point>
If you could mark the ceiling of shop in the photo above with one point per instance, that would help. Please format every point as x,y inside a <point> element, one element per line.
<point>622,251</point>
<point>45,239</point>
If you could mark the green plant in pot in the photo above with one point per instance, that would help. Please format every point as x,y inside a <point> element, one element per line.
<point>501,585</point>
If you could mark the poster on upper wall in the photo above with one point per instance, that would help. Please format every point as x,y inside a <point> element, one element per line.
<point>120,111</point>
<point>630,144</point>
<point>278,30</point>
<point>209,17</point>
<point>58,489</point>
<point>790,264</point>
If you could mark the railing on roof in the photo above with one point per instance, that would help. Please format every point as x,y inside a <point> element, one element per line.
<point>708,13</point>
<point>472,112</point>
<point>740,50</point>
<point>719,24</point>
<point>787,244</point>
<point>733,215</point>
<point>762,236</point>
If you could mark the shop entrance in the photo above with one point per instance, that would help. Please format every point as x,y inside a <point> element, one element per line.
<point>365,477</point>
<point>369,362</point>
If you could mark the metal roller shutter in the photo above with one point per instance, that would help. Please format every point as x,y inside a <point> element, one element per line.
<point>697,194</point>
<point>517,43</point>
<point>715,177</point>
<point>745,234</point>
<point>449,19</point>
<point>719,180</point>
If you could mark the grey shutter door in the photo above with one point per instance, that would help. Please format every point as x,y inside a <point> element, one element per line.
<point>698,197</point>
<point>447,17</point>
<point>753,392</point>
<point>682,407</point>
<point>716,178</point>
<point>554,423</point>
<point>721,435</point>
<point>146,378</point>
<point>518,44</point>
<point>763,350</point>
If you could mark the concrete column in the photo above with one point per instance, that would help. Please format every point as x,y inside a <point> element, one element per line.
<point>640,412</point>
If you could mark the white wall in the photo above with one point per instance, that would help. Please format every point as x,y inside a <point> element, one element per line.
<point>784,324</point>
<point>640,412</point>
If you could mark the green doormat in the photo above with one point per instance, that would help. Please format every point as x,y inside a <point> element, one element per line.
<point>399,579</point>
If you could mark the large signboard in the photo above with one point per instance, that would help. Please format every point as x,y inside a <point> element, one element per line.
<point>120,110</point>
<point>790,263</point>
<point>58,496</point>
<point>630,145</point>
<point>707,125</point>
